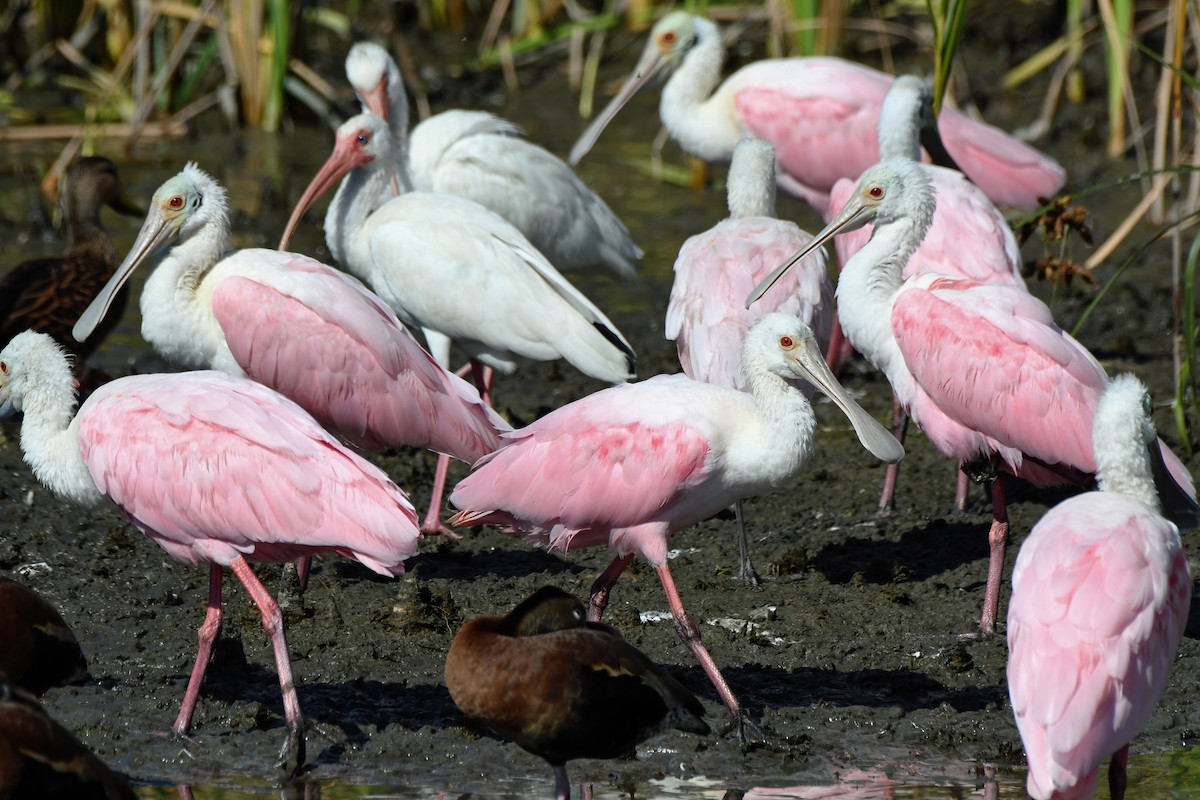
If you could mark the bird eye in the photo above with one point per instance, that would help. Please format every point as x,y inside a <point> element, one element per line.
<point>668,37</point>
<point>363,137</point>
<point>1145,400</point>
<point>786,342</point>
<point>875,191</point>
<point>176,201</point>
<point>3,367</point>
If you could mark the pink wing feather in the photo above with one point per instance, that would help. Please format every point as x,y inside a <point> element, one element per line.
<point>211,466</point>
<point>321,338</point>
<point>995,361</point>
<point>1101,590</point>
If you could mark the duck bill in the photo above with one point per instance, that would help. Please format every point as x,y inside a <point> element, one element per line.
<point>122,204</point>
<point>157,232</point>
<point>647,67</point>
<point>851,217</point>
<point>1177,503</point>
<point>340,162</point>
<point>931,140</point>
<point>878,441</point>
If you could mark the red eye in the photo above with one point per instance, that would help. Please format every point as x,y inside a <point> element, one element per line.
<point>176,201</point>
<point>786,341</point>
<point>875,191</point>
<point>4,367</point>
<point>668,37</point>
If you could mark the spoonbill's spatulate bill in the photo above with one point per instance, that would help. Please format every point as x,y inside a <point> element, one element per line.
<point>982,368</point>
<point>715,270</point>
<point>630,465</point>
<point>821,114</point>
<point>561,687</point>
<point>216,469</point>
<point>1101,593</point>
<point>306,330</point>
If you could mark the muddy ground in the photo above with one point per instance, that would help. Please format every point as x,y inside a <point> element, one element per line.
<point>848,654</point>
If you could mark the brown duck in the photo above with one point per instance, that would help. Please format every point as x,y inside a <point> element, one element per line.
<point>37,649</point>
<point>561,687</point>
<point>49,294</point>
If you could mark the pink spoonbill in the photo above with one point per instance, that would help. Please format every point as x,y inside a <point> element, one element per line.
<point>454,269</point>
<point>821,114</point>
<point>630,465</point>
<point>962,213</point>
<point>706,316</point>
<point>481,157</point>
<point>311,332</point>
<point>216,469</point>
<point>982,368</point>
<point>1101,591</point>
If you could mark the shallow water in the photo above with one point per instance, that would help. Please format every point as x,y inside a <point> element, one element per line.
<point>848,654</point>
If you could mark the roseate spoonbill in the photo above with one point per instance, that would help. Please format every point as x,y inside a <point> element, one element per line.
<point>561,687</point>
<point>49,294</point>
<point>715,269</point>
<point>215,469</point>
<point>629,465</point>
<point>962,213</point>
<point>309,331</point>
<point>454,269</point>
<point>43,759</point>
<point>481,157</point>
<point>39,650</point>
<point>1101,592</point>
<point>821,114</point>
<point>982,368</point>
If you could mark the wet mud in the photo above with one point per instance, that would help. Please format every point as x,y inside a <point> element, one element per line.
<point>848,654</point>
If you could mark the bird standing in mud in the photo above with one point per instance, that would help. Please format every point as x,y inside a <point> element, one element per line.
<point>630,465</point>
<point>705,314</point>
<point>49,294</point>
<point>821,114</point>
<point>962,213</point>
<point>563,688</point>
<point>1101,593</point>
<point>307,330</point>
<point>216,469</point>
<point>982,368</point>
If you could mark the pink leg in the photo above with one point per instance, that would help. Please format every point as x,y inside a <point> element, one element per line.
<point>961,491</point>
<point>833,355</point>
<point>303,567</point>
<point>292,754</point>
<point>562,784</point>
<point>887,498</point>
<point>997,540</point>
<point>209,630</point>
<point>433,519</point>
<point>603,585</point>
<point>483,376</point>
<point>691,637</point>
<point>1118,776</point>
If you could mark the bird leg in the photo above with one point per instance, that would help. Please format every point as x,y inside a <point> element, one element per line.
<point>745,571</point>
<point>562,784</point>
<point>433,519</point>
<point>961,491</point>
<point>603,585</point>
<point>291,756</point>
<point>833,353</point>
<point>887,498</point>
<point>209,630</point>
<point>482,375</point>
<point>747,731</point>
<point>997,541</point>
<point>1117,775</point>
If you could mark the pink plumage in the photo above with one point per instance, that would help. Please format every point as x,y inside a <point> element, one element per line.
<point>821,114</point>
<point>1101,593</point>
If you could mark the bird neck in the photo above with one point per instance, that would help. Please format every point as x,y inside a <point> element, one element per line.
<point>49,433</point>
<point>751,191</point>
<point>1123,460</point>
<point>899,132</point>
<point>694,117</point>
<point>361,192</point>
<point>787,420</point>
<point>83,221</point>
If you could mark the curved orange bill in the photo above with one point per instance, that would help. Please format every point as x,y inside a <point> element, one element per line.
<point>343,159</point>
<point>647,67</point>
<point>157,232</point>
